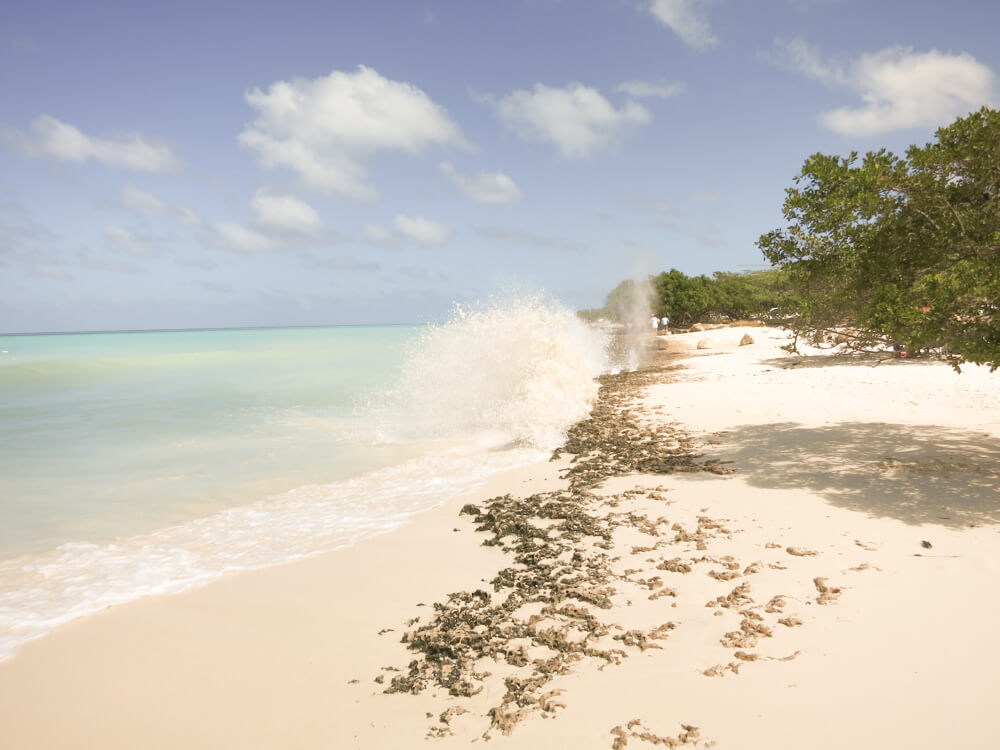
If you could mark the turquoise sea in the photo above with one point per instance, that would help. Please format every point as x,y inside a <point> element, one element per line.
<point>137,463</point>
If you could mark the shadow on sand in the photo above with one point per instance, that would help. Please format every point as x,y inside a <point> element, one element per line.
<point>916,474</point>
<point>887,359</point>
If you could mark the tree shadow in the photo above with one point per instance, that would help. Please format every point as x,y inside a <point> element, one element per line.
<point>887,359</point>
<point>922,474</point>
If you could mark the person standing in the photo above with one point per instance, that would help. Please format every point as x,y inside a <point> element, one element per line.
<point>654,323</point>
<point>664,324</point>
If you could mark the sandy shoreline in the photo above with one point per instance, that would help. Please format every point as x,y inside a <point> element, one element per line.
<point>845,473</point>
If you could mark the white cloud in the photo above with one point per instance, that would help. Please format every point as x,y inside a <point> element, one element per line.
<point>686,18</point>
<point>142,246</point>
<point>148,204</point>
<point>899,88</point>
<point>578,120</point>
<point>805,58</point>
<point>483,187</point>
<point>59,140</point>
<point>326,128</point>
<point>285,214</point>
<point>241,239</point>
<point>639,89</point>
<point>424,231</point>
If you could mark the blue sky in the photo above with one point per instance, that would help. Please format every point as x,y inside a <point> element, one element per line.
<point>242,164</point>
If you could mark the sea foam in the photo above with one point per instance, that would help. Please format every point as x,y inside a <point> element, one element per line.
<point>520,371</point>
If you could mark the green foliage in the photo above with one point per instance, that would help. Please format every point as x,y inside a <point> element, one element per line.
<point>686,299</point>
<point>905,250</point>
<point>690,299</point>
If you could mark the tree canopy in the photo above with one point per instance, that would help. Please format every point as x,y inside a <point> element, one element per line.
<point>903,250</point>
<point>689,299</point>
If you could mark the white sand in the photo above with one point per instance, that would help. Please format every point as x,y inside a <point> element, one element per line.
<point>856,463</point>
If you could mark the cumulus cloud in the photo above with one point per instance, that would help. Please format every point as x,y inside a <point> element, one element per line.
<point>241,239</point>
<point>686,18</point>
<point>285,214</point>
<point>577,119</point>
<point>661,90</point>
<point>899,88</point>
<point>805,58</point>
<point>423,231</point>
<point>124,238</point>
<point>483,187</point>
<point>325,129</point>
<point>149,204</point>
<point>55,139</point>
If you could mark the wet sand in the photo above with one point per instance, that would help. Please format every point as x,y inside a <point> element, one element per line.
<point>830,581</point>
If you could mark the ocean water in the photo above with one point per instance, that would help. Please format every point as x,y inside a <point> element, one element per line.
<point>148,462</point>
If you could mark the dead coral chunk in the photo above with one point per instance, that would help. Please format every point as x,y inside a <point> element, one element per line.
<point>726,576</point>
<point>664,592</point>
<point>790,657</point>
<point>690,735</point>
<point>638,638</point>
<point>736,598</point>
<point>790,622</point>
<point>800,552</point>
<point>865,566</point>
<point>827,594</point>
<point>674,566</point>
<point>750,630</point>
<point>776,604</point>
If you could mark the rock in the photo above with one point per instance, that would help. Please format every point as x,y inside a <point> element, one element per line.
<point>746,340</point>
<point>703,344</point>
<point>699,327</point>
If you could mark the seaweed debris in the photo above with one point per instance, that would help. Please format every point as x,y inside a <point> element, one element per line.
<point>612,441</point>
<point>560,542</point>
<point>635,730</point>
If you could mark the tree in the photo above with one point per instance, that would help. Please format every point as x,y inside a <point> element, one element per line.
<point>689,299</point>
<point>901,250</point>
<point>628,301</point>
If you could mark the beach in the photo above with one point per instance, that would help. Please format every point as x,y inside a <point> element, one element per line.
<point>744,548</point>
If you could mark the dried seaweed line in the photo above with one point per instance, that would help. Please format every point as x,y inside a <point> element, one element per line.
<point>539,532</point>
